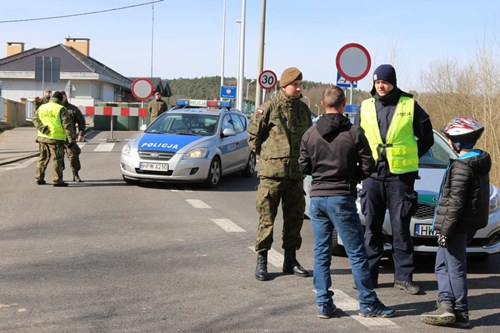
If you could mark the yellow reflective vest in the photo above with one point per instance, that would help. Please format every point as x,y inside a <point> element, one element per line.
<point>400,146</point>
<point>50,115</point>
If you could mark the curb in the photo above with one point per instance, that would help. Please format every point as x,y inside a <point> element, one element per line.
<point>16,159</point>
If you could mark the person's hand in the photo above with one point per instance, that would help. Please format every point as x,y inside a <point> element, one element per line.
<point>441,241</point>
<point>45,130</point>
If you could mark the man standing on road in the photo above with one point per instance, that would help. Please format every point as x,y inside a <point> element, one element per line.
<point>338,156</point>
<point>77,120</point>
<point>274,135</point>
<point>157,106</point>
<point>54,131</point>
<point>45,99</point>
<point>399,132</point>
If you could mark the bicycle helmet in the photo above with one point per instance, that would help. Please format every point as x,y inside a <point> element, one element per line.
<point>463,132</point>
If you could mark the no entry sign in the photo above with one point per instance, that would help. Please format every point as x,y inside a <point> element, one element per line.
<point>142,88</point>
<point>353,61</point>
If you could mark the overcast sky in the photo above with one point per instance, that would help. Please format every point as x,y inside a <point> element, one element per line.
<point>186,35</point>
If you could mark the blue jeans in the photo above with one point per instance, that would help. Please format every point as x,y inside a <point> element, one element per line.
<point>451,272</point>
<point>339,212</point>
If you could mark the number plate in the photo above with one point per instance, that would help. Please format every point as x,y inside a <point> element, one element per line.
<point>153,166</point>
<point>424,230</point>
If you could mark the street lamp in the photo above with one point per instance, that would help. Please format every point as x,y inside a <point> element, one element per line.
<point>223,43</point>
<point>241,63</point>
<point>248,85</point>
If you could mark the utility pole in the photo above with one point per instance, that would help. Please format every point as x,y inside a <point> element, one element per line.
<point>260,65</point>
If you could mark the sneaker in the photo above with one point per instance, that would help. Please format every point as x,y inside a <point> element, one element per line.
<point>442,316</point>
<point>378,309</point>
<point>325,311</point>
<point>461,318</point>
<point>408,286</point>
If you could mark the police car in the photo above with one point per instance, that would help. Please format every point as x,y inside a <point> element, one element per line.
<point>196,141</point>
<point>432,167</point>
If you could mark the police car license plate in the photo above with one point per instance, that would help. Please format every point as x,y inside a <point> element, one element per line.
<point>153,166</point>
<point>424,230</point>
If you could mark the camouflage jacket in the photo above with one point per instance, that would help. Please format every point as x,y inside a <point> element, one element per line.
<point>77,119</point>
<point>39,101</point>
<point>275,131</point>
<point>157,107</point>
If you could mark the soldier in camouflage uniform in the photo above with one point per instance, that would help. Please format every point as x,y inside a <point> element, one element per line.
<point>45,99</point>
<point>77,119</point>
<point>157,106</point>
<point>54,131</point>
<point>275,132</point>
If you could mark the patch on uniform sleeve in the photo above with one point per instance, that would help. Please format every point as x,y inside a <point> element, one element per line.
<point>259,111</point>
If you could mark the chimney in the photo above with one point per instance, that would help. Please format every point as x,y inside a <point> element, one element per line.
<point>14,48</point>
<point>80,44</point>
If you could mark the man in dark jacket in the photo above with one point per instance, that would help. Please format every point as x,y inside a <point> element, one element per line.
<point>462,210</point>
<point>338,156</point>
<point>399,132</point>
<point>77,121</point>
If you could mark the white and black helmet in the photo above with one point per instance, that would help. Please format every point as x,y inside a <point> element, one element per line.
<point>465,130</point>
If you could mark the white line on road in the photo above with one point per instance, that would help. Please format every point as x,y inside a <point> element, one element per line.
<point>104,147</point>
<point>228,225</point>
<point>350,306</point>
<point>197,203</point>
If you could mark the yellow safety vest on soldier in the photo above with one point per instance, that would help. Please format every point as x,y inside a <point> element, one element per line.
<point>50,116</point>
<point>400,147</point>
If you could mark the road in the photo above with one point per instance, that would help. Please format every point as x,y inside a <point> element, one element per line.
<point>102,256</point>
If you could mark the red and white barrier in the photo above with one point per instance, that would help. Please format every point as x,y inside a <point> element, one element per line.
<point>115,111</point>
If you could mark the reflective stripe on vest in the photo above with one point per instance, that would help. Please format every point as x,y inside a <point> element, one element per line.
<point>50,115</point>
<point>400,146</point>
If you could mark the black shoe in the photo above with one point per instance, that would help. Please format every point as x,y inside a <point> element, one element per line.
<point>60,184</point>
<point>41,182</point>
<point>408,286</point>
<point>261,268</point>
<point>76,177</point>
<point>292,266</point>
<point>461,318</point>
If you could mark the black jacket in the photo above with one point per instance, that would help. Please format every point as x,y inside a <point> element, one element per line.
<point>336,154</point>
<point>464,197</point>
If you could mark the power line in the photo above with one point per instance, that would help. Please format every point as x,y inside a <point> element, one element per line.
<point>81,14</point>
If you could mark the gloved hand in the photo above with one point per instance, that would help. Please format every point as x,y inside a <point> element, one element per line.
<point>45,130</point>
<point>441,241</point>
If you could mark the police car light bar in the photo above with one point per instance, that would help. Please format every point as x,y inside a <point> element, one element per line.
<point>203,103</point>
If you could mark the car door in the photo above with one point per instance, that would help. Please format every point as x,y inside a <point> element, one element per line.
<point>228,145</point>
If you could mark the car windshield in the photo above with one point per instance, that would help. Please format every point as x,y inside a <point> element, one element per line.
<point>439,155</point>
<point>185,124</point>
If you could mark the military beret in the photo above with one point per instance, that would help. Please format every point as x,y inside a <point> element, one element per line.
<point>289,75</point>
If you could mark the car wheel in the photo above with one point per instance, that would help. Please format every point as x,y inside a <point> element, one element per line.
<point>250,168</point>
<point>131,181</point>
<point>214,173</point>
<point>337,249</point>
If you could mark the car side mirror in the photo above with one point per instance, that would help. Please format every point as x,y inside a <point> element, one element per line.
<point>228,132</point>
<point>143,127</point>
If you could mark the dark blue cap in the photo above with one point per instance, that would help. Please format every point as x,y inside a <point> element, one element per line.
<point>386,73</point>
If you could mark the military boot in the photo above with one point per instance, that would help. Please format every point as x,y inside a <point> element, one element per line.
<point>76,177</point>
<point>261,268</point>
<point>292,266</point>
<point>443,315</point>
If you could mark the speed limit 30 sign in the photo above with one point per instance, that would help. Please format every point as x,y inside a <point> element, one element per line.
<point>268,79</point>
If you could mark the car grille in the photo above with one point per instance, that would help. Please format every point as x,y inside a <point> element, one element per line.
<point>158,173</point>
<point>425,211</point>
<point>156,155</point>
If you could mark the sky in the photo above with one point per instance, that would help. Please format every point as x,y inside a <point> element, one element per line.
<point>184,38</point>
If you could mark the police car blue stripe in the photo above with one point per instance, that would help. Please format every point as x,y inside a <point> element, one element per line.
<point>165,142</point>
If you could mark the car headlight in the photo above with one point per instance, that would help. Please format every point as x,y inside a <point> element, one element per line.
<point>494,198</point>
<point>196,153</point>
<point>126,149</point>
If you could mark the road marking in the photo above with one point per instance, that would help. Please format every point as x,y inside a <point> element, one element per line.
<point>350,306</point>
<point>104,147</point>
<point>197,203</point>
<point>228,225</point>
<point>273,257</point>
<point>18,165</point>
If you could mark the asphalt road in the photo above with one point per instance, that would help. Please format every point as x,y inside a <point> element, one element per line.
<point>102,256</point>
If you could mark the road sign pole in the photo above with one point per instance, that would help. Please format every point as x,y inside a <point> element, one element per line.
<point>350,96</point>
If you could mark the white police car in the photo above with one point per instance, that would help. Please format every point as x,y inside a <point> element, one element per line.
<point>431,170</point>
<point>197,141</point>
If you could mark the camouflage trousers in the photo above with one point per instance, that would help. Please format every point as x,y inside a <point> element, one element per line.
<point>48,151</point>
<point>269,194</point>
<point>74,158</point>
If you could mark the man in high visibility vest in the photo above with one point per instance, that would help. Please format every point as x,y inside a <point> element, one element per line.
<point>399,132</point>
<point>54,127</point>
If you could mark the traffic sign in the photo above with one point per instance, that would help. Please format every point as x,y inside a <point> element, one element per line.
<point>142,88</point>
<point>228,92</point>
<point>268,79</point>
<point>344,83</point>
<point>353,61</point>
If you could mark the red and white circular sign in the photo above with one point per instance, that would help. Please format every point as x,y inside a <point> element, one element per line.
<point>268,79</point>
<point>353,61</point>
<point>142,88</point>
